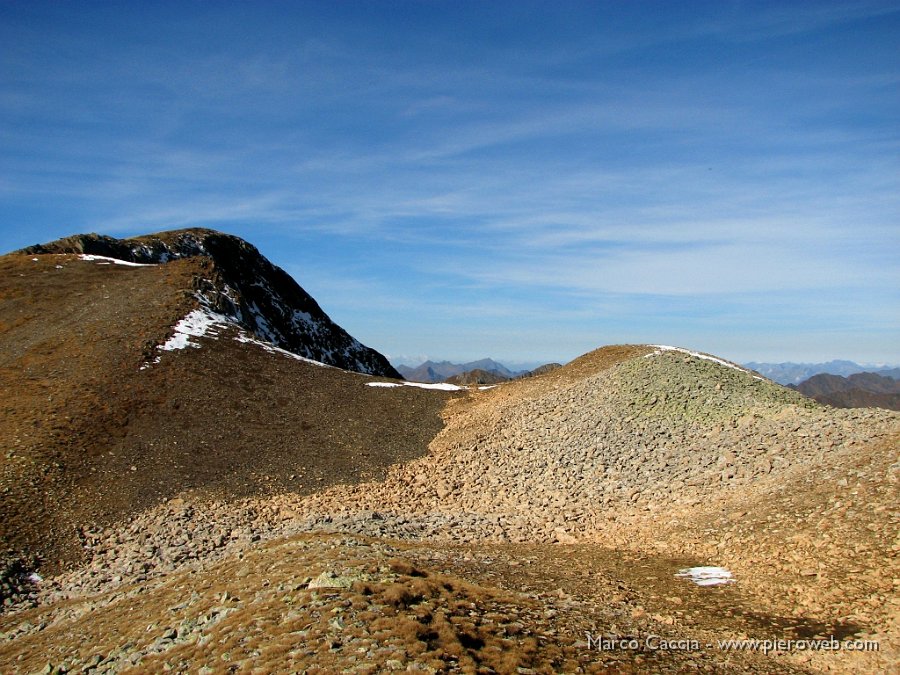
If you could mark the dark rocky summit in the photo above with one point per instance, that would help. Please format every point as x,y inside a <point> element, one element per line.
<point>243,286</point>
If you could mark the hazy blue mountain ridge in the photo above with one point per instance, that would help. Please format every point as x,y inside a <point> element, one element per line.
<point>795,373</point>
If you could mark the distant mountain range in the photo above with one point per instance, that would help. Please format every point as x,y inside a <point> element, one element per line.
<point>488,369</point>
<point>795,373</point>
<point>439,371</point>
<point>477,376</point>
<point>480,376</point>
<point>860,390</point>
<point>483,371</point>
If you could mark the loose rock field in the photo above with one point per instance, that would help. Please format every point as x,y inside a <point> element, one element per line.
<point>656,456</point>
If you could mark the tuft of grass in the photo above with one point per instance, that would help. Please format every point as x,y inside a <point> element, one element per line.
<point>400,595</point>
<point>404,567</point>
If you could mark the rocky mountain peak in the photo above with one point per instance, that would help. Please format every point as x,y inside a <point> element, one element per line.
<point>245,287</point>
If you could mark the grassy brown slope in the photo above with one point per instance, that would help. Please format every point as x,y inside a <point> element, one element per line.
<point>70,330</point>
<point>92,438</point>
<point>236,421</point>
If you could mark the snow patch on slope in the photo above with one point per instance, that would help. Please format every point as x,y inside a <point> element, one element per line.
<point>204,322</point>
<point>443,386</point>
<point>105,260</point>
<point>272,349</point>
<point>666,348</point>
<point>198,323</point>
<point>706,576</point>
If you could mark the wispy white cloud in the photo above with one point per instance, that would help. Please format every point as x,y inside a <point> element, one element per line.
<point>778,20</point>
<point>691,164</point>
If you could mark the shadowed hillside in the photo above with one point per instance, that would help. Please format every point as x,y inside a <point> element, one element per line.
<point>104,415</point>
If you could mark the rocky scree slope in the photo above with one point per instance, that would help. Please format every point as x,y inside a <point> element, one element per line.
<point>670,451</point>
<point>635,448</point>
<point>548,459</point>
<point>338,603</point>
<point>244,287</point>
<point>567,457</point>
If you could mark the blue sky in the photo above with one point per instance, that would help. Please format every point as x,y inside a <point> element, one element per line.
<point>520,180</point>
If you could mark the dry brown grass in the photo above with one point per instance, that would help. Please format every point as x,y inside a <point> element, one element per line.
<point>228,420</point>
<point>406,613</point>
<point>526,606</point>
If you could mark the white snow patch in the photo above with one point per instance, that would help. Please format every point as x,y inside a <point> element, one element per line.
<point>488,386</point>
<point>272,349</point>
<point>206,323</point>
<point>706,576</point>
<point>443,386</point>
<point>35,578</point>
<point>197,323</point>
<point>104,260</point>
<point>150,363</point>
<point>666,348</point>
